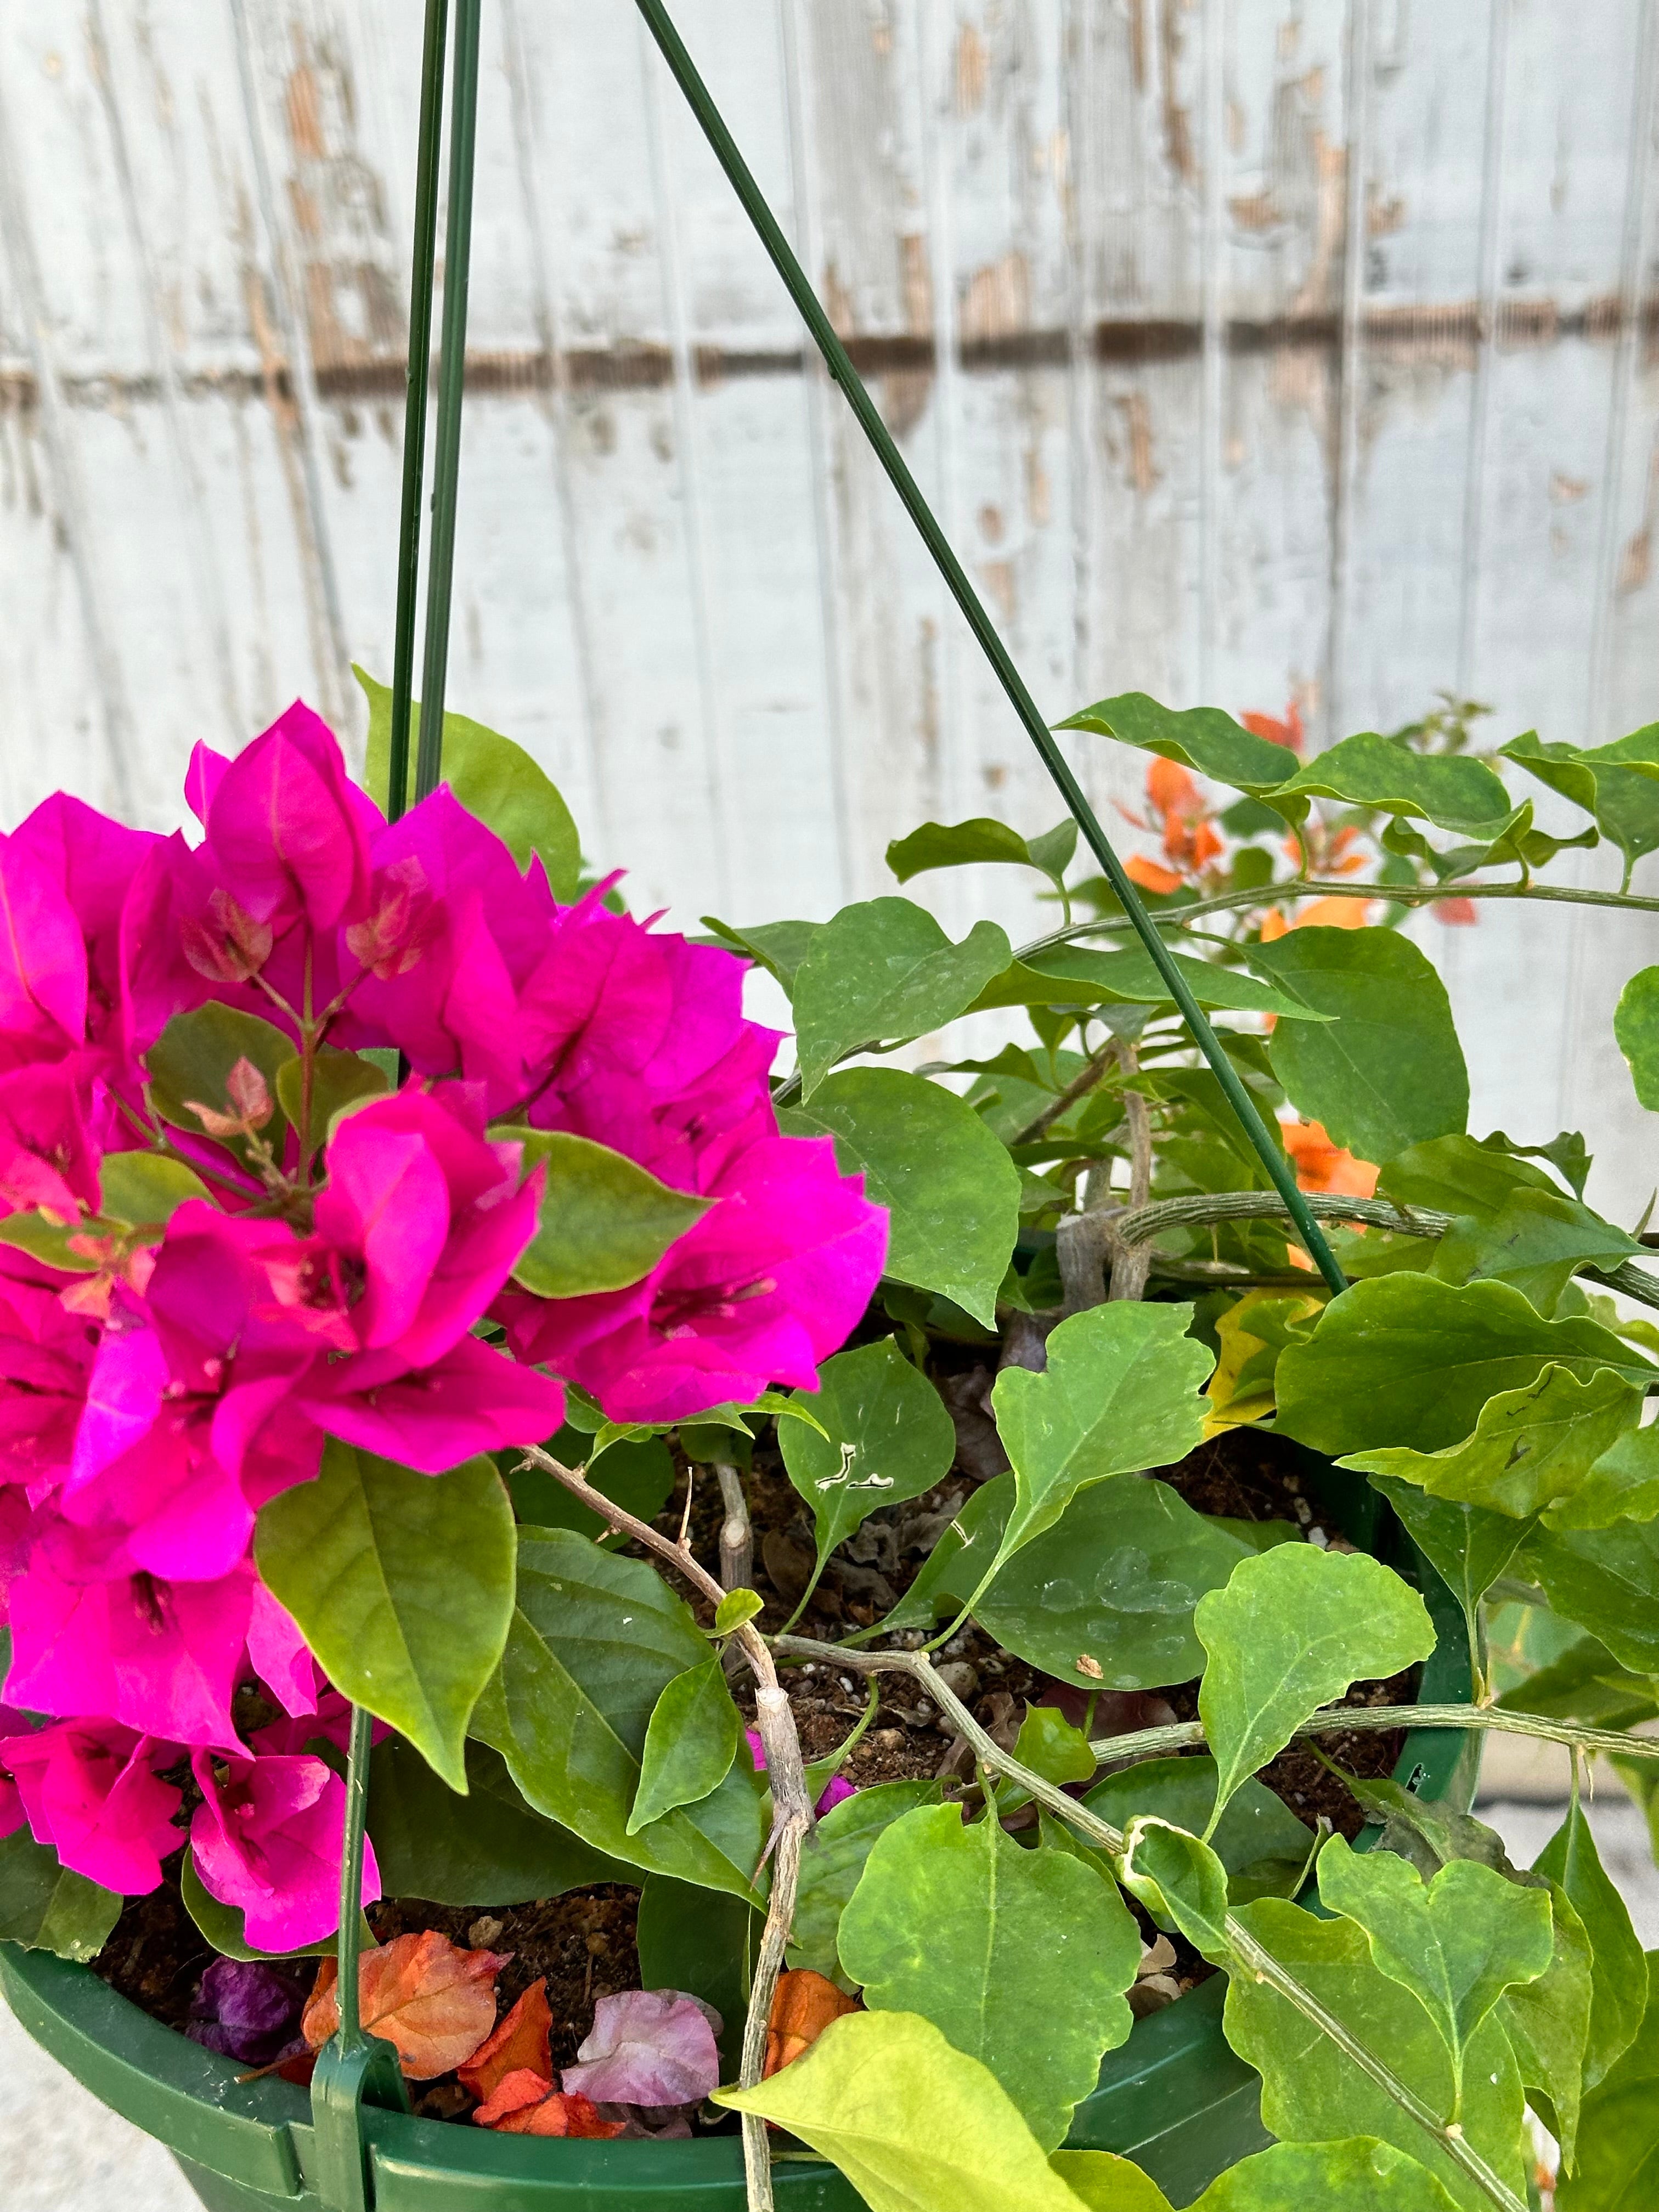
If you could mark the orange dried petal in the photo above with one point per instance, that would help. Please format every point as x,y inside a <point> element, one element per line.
<point>805,2004</point>
<point>519,2041</point>
<point>517,2092</point>
<point>434,2002</point>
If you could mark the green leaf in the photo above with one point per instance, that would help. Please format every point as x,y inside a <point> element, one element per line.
<point>44,1907</point>
<point>1619,1981</point>
<point>1532,1449</point>
<point>1618,2164</point>
<point>967,844</point>
<point>1537,1241</point>
<point>487,1848</point>
<point>1468,1547</point>
<point>1622,1486</point>
<point>1310,2091</point>
<point>1606,1580</point>
<point>1258,1840</point>
<point>192,1059</point>
<point>955,1567</point>
<point>1405,1360</point>
<point>951,1191</point>
<point>835,1859</point>
<point>338,1079</point>
<point>1294,1627</point>
<point>778,946</point>
<point>144,1190</point>
<point>1201,738</point>
<point>1120,1393</point>
<point>689,1744</point>
<point>1449,789</point>
<point>1389,1071</point>
<point>1606,782</point>
<point>887,1438</point>
<point>1547,2023</point>
<point>225,1925</point>
<point>883,971</point>
<point>736,1608</point>
<point>915,2125</point>
<point>604,1221</point>
<point>692,1940</point>
<point>1115,1582</point>
<point>1360,2175</point>
<point>1457,1942</point>
<point>1103,2182</point>
<point>1457,1176</point>
<point>1051,1746</point>
<point>638,1476</point>
<point>596,1638</point>
<point>1585,1682</point>
<point>402,1585</point>
<point>1430,1835</point>
<point>1075,975</point>
<point>1636,1028</point>
<point>492,778</point>
<point>1021,1958</point>
<point>1181,1881</point>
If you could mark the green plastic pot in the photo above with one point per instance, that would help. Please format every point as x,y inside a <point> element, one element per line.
<point>1174,2098</point>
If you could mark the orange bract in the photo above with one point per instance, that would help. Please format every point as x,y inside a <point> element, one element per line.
<point>518,2042</point>
<point>1288,732</point>
<point>1321,1166</point>
<point>1150,876</point>
<point>433,2001</point>
<point>803,2008</point>
<point>524,2105</point>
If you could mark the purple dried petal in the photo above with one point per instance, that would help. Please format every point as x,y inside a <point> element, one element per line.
<point>248,2010</point>
<point>651,2047</point>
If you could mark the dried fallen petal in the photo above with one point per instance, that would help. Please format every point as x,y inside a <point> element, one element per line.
<point>802,2009</point>
<point>551,2115</point>
<point>516,2092</point>
<point>434,2002</point>
<point>519,2043</point>
<point>649,2047</point>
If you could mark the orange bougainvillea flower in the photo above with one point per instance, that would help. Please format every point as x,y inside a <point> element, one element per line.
<point>434,2002</point>
<point>523,2105</point>
<point>1318,913</point>
<point>1321,1166</point>
<point>803,2008</point>
<point>519,2043</point>
<point>1150,876</point>
<point>1457,912</point>
<point>1288,732</point>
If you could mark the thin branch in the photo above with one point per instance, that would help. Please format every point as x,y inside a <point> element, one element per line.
<point>1130,1265</point>
<point>1085,1080</point>
<point>792,1809</point>
<point>1248,1953</point>
<point>737,1535</point>
<point>1153,1743</point>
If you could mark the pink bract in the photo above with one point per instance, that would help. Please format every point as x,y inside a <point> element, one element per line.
<point>266,1839</point>
<point>90,1789</point>
<point>647,2047</point>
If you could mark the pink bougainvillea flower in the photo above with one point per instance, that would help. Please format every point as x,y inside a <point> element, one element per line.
<point>43,961</point>
<point>48,1157</point>
<point>278,1653</point>
<point>287,829</point>
<point>768,1282</point>
<point>164,1658</point>
<point>45,1356</point>
<point>91,1791</point>
<point>266,1839</point>
<point>835,1792</point>
<point>649,2047</point>
<point>473,1399</point>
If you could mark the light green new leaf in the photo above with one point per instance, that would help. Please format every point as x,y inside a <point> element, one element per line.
<point>1201,738</point>
<point>1547,2023</point>
<point>1103,2182</point>
<point>1258,1840</point>
<point>144,1190</point>
<point>1622,1486</point>
<point>1112,1585</point>
<point>1405,1360</point>
<point>915,2125</point>
<point>596,1638</point>
<point>1077,975</point>
<point>1449,789</point>
<point>1181,1881</point>
<point>887,1437</point>
<point>1360,2175</point>
<point>1311,2092</point>
<point>1021,1958</point>
<point>1613,782</point>
<point>881,972</point>
<point>1051,1746</point>
<point>968,844</point>
<point>689,1744</point>
<point>44,1907</point>
<point>1389,1071</point>
<point>485,1848</point>
<point>778,946</point>
<point>192,1059</point>
<point>1636,1028</point>
<point>1119,1394</point>
<point>1619,1981</point>
<point>1606,1580</point>
<point>951,1191</point>
<point>1538,1241</point>
<point>1469,1547</point>
<point>402,1585</point>
<point>492,778</point>
<point>338,1079</point>
<point>833,1859</point>
<point>1532,1449</point>
<point>737,1608</point>
<point>604,1221</point>
<point>1294,1627</point>
<point>1618,2166</point>
<point>1456,1942</point>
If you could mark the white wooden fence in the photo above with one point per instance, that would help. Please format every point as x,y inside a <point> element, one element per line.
<point>1252,349</point>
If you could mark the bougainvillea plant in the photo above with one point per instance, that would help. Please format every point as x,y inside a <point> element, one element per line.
<point>390,1223</point>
